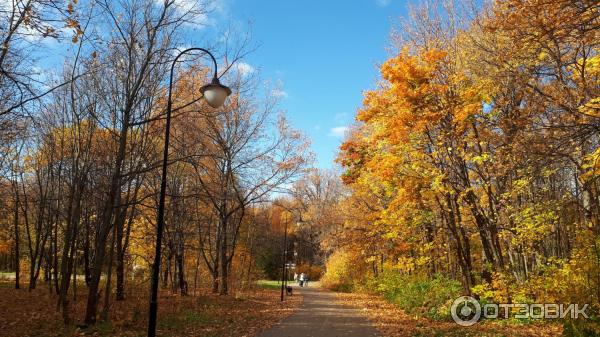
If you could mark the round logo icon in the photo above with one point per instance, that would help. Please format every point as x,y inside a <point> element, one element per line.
<point>465,311</point>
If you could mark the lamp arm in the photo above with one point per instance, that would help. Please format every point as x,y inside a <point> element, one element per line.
<point>173,71</point>
<point>193,49</point>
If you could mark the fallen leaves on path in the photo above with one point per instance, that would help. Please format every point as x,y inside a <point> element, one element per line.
<point>393,322</point>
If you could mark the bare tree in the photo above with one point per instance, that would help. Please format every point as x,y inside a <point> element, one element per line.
<point>248,152</point>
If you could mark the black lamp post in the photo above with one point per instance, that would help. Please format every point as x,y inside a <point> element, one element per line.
<point>283,266</point>
<point>215,94</point>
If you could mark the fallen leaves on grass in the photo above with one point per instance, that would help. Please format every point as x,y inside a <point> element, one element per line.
<point>393,322</point>
<point>24,313</point>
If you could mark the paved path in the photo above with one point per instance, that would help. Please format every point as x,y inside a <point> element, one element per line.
<point>322,315</point>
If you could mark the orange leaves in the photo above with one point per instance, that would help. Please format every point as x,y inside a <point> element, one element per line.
<point>387,158</point>
<point>418,94</point>
<point>4,247</point>
<point>413,69</point>
<point>290,164</point>
<point>559,18</point>
<point>352,157</point>
<point>74,24</point>
<point>410,95</point>
<point>71,23</point>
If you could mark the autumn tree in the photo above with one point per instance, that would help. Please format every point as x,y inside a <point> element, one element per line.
<point>475,148</point>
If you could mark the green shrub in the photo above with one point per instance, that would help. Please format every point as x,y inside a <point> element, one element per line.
<point>418,295</point>
<point>582,327</point>
<point>415,294</point>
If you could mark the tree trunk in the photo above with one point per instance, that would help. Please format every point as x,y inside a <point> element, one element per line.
<point>123,234</point>
<point>166,270</point>
<point>86,254</point>
<point>106,307</point>
<point>17,248</point>
<point>120,259</point>
<point>66,266</point>
<point>181,276</point>
<point>112,203</point>
<point>55,257</point>
<point>215,280</point>
<point>223,289</point>
<point>217,265</point>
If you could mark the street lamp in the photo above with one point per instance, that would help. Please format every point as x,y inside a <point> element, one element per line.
<point>215,94</point>
<point>283,269</point>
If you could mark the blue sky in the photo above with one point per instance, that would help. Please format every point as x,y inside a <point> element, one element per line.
<point>324,53</point>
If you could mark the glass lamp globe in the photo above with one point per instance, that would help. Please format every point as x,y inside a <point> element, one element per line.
<point>215,93</point>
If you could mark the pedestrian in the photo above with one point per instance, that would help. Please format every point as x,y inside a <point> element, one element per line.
<point>306,280</point>
<point>302,278</point>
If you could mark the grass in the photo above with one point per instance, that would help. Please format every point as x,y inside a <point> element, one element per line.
<point>10,276</point>
<point>7,275</point>
<point>269,284</point>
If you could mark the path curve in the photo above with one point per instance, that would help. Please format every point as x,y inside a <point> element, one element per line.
<point>322,315</point>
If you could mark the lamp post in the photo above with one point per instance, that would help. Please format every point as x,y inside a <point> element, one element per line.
<point>215,94</point>
<point>283,267</point>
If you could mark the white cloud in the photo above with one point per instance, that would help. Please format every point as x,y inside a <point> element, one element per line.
<point>198,12</point>
<point>383,3</point>
<point>181,48</point>
<point>279,93</point>
<point>338,131</point>
<point>244,68</point>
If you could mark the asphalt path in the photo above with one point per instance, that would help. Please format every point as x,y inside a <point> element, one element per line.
<point>322,315</point>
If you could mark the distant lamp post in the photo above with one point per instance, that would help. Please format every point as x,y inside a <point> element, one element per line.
<point>283,260</point>
<point>295,254</point>
<point>215,94</point>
